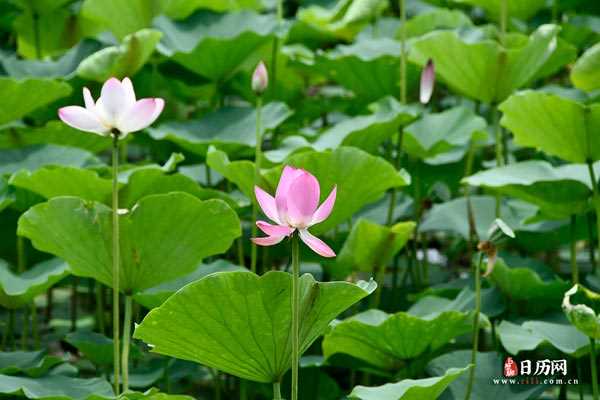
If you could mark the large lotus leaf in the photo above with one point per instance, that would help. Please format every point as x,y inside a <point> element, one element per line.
<point>121,17</point>
<point>122,60</point>
<point>361,179</point>
<point>409,389</point>
<point>152,394</point>
<point>63,67</point>
<point>387,340</point>
<point>23,96</point>
<point>528,286</point>
<point>178,9</point>
<point>54,132</point>
<point>229,128</point>
<point>492,303</point>
<point>584,74</point>
<point>241,172</point>
<point>516,9</point>
<point>558,191</point>
<point>452,216</point>
<point>31,158</point>
<point>487,72</point>
<point>345,19</point>
<point>54,181</point>
<point>370,246</point>
<point>95,347</point>
<point>370,68</point>
<point>239,322</point>
<point>19,290</point>
<point>532,334</point>
<point>155,296</point>
<point>146,182</point>
<point>436,134</point>
<point>56,387</point>
<point>368,132</point>
<point>162,238</point>
<point>436,18</point>
<point>30,363</point>
<point>556,125</point>
<point>489,366</point>
<point>214,45</point>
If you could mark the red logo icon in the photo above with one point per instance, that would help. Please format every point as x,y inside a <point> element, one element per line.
<point>510,368</point>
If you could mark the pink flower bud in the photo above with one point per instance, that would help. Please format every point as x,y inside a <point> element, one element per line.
<point>260,78</point>
<point>427,82</point>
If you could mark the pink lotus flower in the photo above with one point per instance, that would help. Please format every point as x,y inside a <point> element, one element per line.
<point>295,206</point>
<point>260,78</point>
<point>116,108</point>
<point>427,82</point>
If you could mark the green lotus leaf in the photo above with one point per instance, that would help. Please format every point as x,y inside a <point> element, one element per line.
<point>530,335</point>
<point>26,95</point>
<point>517,9</point>
<point>121,17</point>
<point>63,67</point>
<point>95,347</point>
<point>582,306</point>
<point>556,125</point>
<point>492,303</point>
<point>361,179</point>
<point>241,172</point>
<point>154,249</point>
<point>54,181</point>
<point>345,19</point>
<point>386,341</point>
<point>54,132</point>
<point>30,363</point>
<point>31,158</point>
<point>410,389</point>
<point>155,296</point>
<point>56,387</point>
<point>178,9</point>
<point>584,74</point>
<point>436,134</point>
<point>431,20</point>
<point>370,68</point>
<point>19,290</point>
<point>370,246</point>
<point>153,394</point>
<point>368,132</point>
<point>214,45</point>
<point>487,72</point>
<point>239,322</point>
<point>230,128</point>
<point>559,191</point>
<point>489,366</point>
<point>122,60</point>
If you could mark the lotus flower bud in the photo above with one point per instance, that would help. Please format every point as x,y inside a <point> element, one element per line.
<point>260,79</point>
<point>427,82</point>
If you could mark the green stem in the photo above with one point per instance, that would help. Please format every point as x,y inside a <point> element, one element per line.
<point>573,251</point>
<point>403,52</point>
<point>499,151</point>
<point>126,341</point>
<point>240,252</point>
<point>243,389</point>
<point>276,391</point>
<point>207,175</point>
<point>21,256</point>
<point>591,249</point>
<point>115,259</point>
<point>9,331</point>
<point>74,303</point>
<point>25,329</point>
<point>34,325</point>
<point>275,51</point>
<point>99,308</point>
<point>596,199</point>
<point>425,249</point>
<point>257,155</point>
<point>217,380</point>
<point>594,368</point>
<point>477,276</point>
<point>295,314</point>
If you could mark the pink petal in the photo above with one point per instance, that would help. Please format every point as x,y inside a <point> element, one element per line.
<point>267,241</point>
<point>427,82</point>
<point>302,199</point>
<point>113,100</point>
<point>129,92</point>
<point>274,230</point>
<point>260,78</point>
<point>88,99</point>
<point>316,244</point>
<point>82,119</point>
<point>287,177</point>
<point>325,208</point>
<point>141,115</point>
<point>267,204</point>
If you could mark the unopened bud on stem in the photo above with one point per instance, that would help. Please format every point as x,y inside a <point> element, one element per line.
<point>260,79</point>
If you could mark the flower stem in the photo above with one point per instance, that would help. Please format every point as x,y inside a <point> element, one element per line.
<point>573,251</point>
<point>499,151</point>
<point>277,391</point>
<point>275,51</point>
<point>475,326</point>
<point>99,308</point>
<point>596,198</point>
<point>295,314</point>
<point>257,155</point>
<point>126,341</point>
<point>34,326</point>
<point>115,259</point>
<point>243,389</point>
<point>594,368</point>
